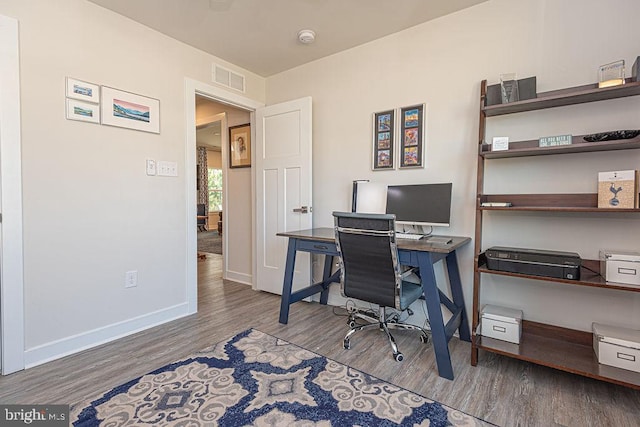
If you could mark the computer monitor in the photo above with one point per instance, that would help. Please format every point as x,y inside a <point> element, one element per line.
<point>369,197</point>
<point>421,204</point>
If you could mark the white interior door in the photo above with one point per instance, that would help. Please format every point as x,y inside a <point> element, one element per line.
<point>283,189</point>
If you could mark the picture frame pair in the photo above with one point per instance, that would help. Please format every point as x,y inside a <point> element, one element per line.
<point>92,103</point>
<point>410,150</point>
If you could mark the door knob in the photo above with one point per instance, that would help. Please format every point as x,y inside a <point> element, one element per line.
<point>302,209</point>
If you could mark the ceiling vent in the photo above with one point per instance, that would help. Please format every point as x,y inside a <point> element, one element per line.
<point>228,78</point>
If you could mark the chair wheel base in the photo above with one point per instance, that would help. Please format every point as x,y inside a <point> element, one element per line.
<point>346,344</point>
<point>398,356</point>
<point>424,339</point>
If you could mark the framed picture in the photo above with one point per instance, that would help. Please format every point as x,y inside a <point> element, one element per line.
<point>240,146</point>
<point>83,111</point>
<point>83,91</point>
<point>383,139</point>
<point>412,136</point>
<point>128,110</point>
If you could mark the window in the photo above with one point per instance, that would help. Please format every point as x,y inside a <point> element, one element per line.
<point>215,189</point>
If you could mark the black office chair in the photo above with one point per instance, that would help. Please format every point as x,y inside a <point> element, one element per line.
<point>370,272</point>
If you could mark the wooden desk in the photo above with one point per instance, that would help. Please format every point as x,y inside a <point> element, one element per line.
<point>415,253</point>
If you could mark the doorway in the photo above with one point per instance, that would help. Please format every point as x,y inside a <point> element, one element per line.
<point>238,205</point>
<point>210,190</point>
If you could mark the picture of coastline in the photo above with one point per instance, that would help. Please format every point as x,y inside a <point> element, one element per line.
<point>82,111</point>
<point>129,110</point>
<point>82,90</point>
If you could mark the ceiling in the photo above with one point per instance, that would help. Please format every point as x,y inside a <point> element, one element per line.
<point>261,35</point>
<point>209,136</point>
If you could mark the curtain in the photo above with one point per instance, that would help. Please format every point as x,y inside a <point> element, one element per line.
<point>203,178</point>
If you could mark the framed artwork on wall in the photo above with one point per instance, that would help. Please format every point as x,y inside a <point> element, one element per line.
<point>383,140</point>
<point>128,110</point>
<point>83,91</point>
<point>240,146</point>
<point>412,129</point>
<point>82,111</point>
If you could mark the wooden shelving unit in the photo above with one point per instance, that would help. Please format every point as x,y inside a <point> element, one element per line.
<point>559,348</point>
<point>549,345</point>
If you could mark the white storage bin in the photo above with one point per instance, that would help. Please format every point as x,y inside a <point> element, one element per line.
<point>620,267</point>
<point>616,346</point>
<point>501,323</point>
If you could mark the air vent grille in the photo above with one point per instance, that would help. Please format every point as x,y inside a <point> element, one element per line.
<point>228,78</point>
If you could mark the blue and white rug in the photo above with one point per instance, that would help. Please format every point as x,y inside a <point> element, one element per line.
<point>255,379</point>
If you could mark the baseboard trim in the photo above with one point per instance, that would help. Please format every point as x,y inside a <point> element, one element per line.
<point>239,277</point>
<point>60,348</point>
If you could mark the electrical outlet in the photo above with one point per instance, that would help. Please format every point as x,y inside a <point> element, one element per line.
<point>131,279</point>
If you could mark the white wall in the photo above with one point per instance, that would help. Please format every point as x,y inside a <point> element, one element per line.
<point>442,63</point>
<point>90,211</point>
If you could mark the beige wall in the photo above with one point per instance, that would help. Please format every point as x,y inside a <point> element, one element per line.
<point>214,159</point>
<point>441,63</point>
<point>90,211</point>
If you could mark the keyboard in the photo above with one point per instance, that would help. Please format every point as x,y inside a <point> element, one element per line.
<point>409,236</point>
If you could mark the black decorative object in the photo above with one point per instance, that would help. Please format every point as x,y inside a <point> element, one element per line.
<point>612,135</point>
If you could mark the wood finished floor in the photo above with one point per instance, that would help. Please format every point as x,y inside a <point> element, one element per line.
<point>501,390</point>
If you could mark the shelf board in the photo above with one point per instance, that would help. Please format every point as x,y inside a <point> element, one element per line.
<point>530,148</point>
<point>562,97</point>
<point>559,348</point>
<point>576,202</point>
<point>589,276</point>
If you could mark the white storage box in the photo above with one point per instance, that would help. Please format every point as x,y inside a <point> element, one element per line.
<point>620,267</point>
<point>619,347</point>
<point>501,323</point>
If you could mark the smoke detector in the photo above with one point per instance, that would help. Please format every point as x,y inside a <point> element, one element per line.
<point>306,36</point>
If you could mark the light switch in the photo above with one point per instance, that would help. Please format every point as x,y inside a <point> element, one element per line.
<point>173,168</point>
<point>163,169</point>
<point>151,167</point>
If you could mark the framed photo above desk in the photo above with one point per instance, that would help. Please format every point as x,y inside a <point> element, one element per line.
<point>383,140</point>
<point>412,129</point>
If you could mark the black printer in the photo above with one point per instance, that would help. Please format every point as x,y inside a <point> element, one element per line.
<point>536,262</point>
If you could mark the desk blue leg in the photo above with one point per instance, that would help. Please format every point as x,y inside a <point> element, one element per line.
<point>438,333</point>
<point>288,281</point>
<point>456,293</point>
<point>326,273</point>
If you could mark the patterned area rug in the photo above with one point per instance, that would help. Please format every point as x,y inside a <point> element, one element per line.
<point>255,379</point>
<point>210,242</point>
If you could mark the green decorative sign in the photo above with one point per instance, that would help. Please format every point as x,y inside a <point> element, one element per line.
<point>552,141</point>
